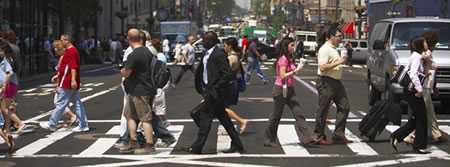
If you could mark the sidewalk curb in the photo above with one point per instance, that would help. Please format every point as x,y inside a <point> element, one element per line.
<point>48,75</point>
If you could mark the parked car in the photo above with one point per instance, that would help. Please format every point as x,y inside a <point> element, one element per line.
<point>360,50</point>
<point>389,48</point>
<point>309,39</point>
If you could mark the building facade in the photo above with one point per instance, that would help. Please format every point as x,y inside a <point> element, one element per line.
<point>120,15</point>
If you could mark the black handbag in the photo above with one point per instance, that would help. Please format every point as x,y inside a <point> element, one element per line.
<point>402,78</point>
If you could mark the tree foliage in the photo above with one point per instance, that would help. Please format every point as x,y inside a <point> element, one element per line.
<point>221,8</point>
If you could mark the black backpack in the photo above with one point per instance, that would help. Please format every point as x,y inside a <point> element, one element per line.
<point>159,73</point>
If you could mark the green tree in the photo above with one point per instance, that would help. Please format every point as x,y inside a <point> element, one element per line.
<point>278,20</point>
<point>220,8</point>
<point>261,7</point>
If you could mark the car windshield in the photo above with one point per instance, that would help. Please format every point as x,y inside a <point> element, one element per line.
<point>311,38</point>
<point>227,32</point>
<point>405,32</point>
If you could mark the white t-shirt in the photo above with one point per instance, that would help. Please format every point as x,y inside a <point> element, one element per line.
<point>328,54</point>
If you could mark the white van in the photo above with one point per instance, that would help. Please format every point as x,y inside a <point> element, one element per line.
<point>309,40</point>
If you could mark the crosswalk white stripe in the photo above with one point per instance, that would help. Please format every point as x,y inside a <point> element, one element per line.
<point>445,128</point>
<point>357,146</point>
<point>435,151</point>
<point>40,144</point>
<point>100,146</point>
<point>287,135</point>
<point>387,162</point>
<point>223,140</point>
<point>115,130</point>
<point>176,131</point>
<point>258,120</point>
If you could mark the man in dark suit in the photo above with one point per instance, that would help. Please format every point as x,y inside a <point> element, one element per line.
<point>213,80</point>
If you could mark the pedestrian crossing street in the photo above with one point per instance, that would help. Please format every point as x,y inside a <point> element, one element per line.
<point>100,140</point>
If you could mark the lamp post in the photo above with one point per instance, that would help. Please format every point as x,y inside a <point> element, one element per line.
<point>122,14</point>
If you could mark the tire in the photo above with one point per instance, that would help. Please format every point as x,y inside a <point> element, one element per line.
<point>374,94</point>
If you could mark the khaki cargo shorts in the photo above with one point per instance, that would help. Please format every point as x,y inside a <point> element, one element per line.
<point>139,108</point>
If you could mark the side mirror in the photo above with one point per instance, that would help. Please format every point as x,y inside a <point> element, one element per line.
<point>378,45</point>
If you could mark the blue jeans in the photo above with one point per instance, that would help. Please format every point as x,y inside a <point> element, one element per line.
<point>62,101</point>
<point>253,64</point>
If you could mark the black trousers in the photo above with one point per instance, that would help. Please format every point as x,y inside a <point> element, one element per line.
<point>203,118</point>
<point>417,121</point>
<point>183,69</point>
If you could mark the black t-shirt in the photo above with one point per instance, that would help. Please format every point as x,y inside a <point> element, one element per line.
<point>137,83</point>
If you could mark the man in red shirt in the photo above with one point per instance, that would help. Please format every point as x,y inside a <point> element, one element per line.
<point>244,44</point>
<point>68,88</point>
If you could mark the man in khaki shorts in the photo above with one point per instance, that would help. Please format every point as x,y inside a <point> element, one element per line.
<point>140,94</point>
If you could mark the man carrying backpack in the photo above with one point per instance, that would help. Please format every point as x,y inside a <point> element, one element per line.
<point>140,94</point>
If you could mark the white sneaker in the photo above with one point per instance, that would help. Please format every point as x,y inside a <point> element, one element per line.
<point>45,125</point>
<point>78,129</point>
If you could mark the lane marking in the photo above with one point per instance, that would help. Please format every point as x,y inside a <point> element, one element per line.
<point>388,162</point>
<point>357,66</point>
<point>40,116</point>
<point>357,146</point>
<point>287,135</point>
<point>100,146</point>
<point>445,128</point>
<point>253,120</point>
<point>176,131</point>
<point>223,140</point>
<point>115,130</point>
<point>192,156</point>
<point>42,143</point>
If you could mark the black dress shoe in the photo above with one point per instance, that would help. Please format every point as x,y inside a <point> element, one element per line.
<point>234,150</point>
<point>421,151</point>
<point>394,143</point>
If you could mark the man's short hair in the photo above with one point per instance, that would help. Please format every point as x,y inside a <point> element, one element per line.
<point>68,37</point>
<point>134,35</point>
<point>332,31</point>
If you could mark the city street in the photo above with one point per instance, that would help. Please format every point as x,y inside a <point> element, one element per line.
<point>102,96</point>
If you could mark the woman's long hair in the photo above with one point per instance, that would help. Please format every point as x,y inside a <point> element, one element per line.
<point>233,42</point>
<point>417,45</point>
<point>284,50</point>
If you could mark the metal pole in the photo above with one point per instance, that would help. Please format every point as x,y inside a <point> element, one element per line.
<point>320,12</point>
<point>135,14</point>
<point>360,22</point>
<point>121,19</point>
<point>337,10</point>
<point>111,19</point>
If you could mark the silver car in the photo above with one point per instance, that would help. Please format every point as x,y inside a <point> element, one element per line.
<point>389,48</point>
<point>360,50</point>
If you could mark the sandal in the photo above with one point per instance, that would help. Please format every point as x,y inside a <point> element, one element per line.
<point>20,128</point>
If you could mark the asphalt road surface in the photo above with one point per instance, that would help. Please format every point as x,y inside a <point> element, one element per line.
<point>102,97</point>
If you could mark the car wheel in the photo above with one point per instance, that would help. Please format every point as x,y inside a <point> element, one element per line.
<point>374,95</point>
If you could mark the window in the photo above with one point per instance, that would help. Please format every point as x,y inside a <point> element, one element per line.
<point>404,32</point>
<point>311,38</point>
<point>363,44</point>
<point>354,44</point>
